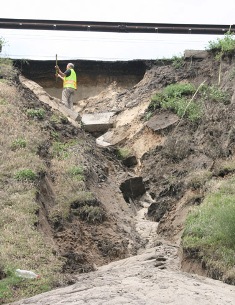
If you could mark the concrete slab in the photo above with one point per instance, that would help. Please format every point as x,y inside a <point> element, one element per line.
<point>53,102</point>
<point>197,54</point>
<point>162,121</point>
<point>97,122</point>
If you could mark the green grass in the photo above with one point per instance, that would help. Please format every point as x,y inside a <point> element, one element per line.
<point>18,143</point>
<point>123,153</point>
<point>210,232</point>
<point>13,287</point>
<point>223,46</point>
<point>215,94</point>
<point>177,98</point>
<point>25,175</point>
<point>36,113</point>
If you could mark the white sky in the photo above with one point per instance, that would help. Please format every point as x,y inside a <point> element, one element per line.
<point>44,45</point>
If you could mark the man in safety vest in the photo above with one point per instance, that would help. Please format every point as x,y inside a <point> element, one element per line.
<point>69,78</point>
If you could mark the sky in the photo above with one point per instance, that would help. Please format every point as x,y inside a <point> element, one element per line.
<point>44,45</point>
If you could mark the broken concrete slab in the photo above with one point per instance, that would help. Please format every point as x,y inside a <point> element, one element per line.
<point>97,122</point>
<point>113,137</point>
<point>162,121</point>
<point>197,54</point>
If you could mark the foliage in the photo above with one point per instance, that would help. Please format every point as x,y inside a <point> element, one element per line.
<point>210,230</point>
<point>215,94</point>
<point>76,172</point>
<point>25,175</point>
<point>18,143</point>
<point>176,97</point>
<point>7,69</point>
<point>36,113</point>
<point>123,153</point>
<point>177,62</point>
<point>92,214</point>
<point>2,41</point>
<point>223,46</point>
<point>199,178</point>
<point>60,150</point>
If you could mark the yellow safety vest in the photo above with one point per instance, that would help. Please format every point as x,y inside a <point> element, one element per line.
<point>71,80</point>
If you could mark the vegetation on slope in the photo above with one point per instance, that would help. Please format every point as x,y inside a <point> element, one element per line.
<point>29,151</point>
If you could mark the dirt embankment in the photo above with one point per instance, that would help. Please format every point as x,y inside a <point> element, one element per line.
<point>166,159</point>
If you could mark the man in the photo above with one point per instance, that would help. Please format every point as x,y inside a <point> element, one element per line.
<point>69,78</point>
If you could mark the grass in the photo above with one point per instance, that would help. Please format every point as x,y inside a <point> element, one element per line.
<point>177,98</point>
<point>222,46</point>
<point>22,244</point>
<point>210,232</point>
<point>36,113</point>
<point>18,143</point>
<point>123,153</point>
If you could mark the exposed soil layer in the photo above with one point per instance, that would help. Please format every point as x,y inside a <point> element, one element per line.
<point>167,156</point>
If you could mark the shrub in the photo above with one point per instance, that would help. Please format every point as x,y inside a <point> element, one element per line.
<point>223,46</point>
<point>25,175</point>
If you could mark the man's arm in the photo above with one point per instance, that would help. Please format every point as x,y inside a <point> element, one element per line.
<point>61,74</point>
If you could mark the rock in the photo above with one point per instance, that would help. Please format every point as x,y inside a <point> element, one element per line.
<point>162,121</point>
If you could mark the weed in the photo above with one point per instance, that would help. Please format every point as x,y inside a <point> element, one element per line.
<point>123,153</point>
<point>60,150</point>
<point>223,46</point>
<point>18,143</point>
<point>76,172</point>
<point>176,97</point>
<point>3,101</point>
<point>92,214</point>
<point>58,118</point>
<point>215,94</point>
<point>232,74</point>
<point>198,179</point>
<point>7,70</point>
<point>25,175</point>
<point>36,113</point>
<point>177,62</point>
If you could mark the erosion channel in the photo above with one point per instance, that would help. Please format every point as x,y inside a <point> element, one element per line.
<point>140,170</point>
